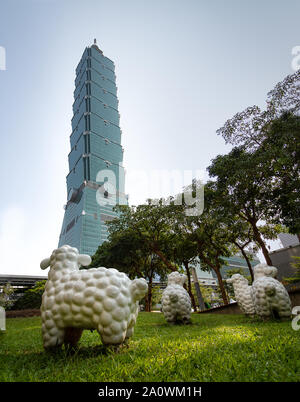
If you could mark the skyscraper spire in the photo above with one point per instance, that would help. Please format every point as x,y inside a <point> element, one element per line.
<point>95,46</point>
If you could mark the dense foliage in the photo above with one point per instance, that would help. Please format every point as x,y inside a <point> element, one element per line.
<point>252,195</point>
<point>295,278</point>
<point>32,298</point>
<point>6,293</point>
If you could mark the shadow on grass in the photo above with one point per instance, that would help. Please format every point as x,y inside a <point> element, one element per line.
<point>86,351</point>
<point>43,359</point>
<point>208,321</point>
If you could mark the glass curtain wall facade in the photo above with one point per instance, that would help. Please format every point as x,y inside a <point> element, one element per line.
<point>96,155</point>
<point>235,262</point>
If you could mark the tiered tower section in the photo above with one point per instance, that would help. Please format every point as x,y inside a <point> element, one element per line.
<point>96,155</point>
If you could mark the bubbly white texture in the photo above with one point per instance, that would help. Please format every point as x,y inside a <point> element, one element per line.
<point>266,297</point>
<point>269,295</point>
<point>99,298</point>
<point>176,302</point>
<point>243,293</point>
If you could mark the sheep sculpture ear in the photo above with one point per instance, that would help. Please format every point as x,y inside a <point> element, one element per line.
<point>270,271</point>
<point>273,271</point>
<point>84,259</point>
<point>229,280</point>
<point>45,263</point>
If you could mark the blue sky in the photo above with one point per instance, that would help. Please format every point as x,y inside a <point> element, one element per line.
<point>183,68</point>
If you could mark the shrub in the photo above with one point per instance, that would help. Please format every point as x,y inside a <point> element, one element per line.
<point>32,298</point>
<point>296,277</point>
<point>5,292</point>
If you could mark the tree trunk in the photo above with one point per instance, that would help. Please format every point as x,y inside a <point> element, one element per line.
<point>260,241</point>
<point>198,290</point>
<point>188,274</point>
<point>221,285</point>
<point>298,235</point>
<point>149,297</point>
<point>247,260</point>
<point>216,268</point>
<point>249,264</point>
<point>165,261</point>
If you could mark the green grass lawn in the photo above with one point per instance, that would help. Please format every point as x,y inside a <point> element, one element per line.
<point>214,347</point>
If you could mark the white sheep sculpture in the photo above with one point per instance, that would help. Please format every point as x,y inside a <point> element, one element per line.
<point>98,298</point>
<point>243,293</point>
<point>176,302</point>
<point>270,297</point>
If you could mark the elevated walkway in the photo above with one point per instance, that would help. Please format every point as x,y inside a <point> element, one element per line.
<point>23,281</point>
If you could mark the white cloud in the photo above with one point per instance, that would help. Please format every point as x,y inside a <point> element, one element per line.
<point>22,244</point>
<point>12,233</point>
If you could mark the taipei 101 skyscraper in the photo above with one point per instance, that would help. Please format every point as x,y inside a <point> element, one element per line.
<point>95,182</point>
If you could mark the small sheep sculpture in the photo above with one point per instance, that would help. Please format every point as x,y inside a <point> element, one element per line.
<point>269,295</point>
<point>98,298</point>
<point>176,302</point>
<point>243,293</point>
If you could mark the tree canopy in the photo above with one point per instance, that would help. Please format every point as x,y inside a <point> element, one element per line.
<point>251,196</point>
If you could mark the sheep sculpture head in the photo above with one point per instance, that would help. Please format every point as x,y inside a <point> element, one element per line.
<point>97,298</point>
<point>66,257</point>
<point>261,270</point>
<point>175,278</point>
<point>237,279</point>
<point>242,293</point>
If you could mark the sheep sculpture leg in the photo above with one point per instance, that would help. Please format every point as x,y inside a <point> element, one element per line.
<point>72,336</point>
<point>129,333</point>
<point>52,335</point>
<point>131,324</point>
<point>112,335</point>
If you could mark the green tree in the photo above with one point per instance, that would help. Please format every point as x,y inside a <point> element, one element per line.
<point>249,128</point>
<point>6,292</point>
<point>240,233</point>
<point>207,293</point>
<point>281,152</point>
<point>124,251</point>
<point>151,224</point>
<point>156,295</point>
<point>273,135</point>
<point>243,189</point>
<point>296,277</point>
<point>208,231</point>
<point>32,298</point>
<point>184,248</point>
<point>136,244</point>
